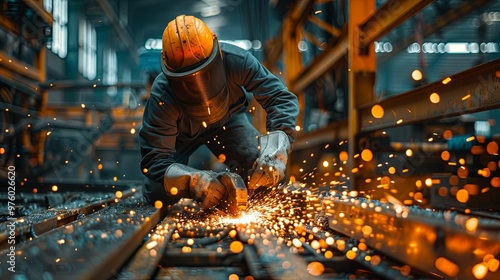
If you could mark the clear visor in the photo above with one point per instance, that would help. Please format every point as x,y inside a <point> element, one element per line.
<point>201,90</point>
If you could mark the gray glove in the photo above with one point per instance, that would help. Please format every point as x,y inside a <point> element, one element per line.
<point>201,185</point>
<point>269,168</point>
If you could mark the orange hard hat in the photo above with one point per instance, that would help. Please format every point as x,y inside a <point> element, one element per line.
<point>193,65</point>
<point>186,40</point>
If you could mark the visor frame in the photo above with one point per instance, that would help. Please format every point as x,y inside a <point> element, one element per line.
<point>210,101</point>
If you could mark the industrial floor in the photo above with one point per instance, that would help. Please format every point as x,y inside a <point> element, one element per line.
<point>108,231</point>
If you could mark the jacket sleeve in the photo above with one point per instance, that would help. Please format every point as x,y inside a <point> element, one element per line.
<point>158,132</point>
<point>280,104</point>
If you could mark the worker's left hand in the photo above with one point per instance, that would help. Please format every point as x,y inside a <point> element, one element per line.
<point>269,168</point>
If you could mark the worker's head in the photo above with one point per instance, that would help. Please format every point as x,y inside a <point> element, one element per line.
<point>192,63</point>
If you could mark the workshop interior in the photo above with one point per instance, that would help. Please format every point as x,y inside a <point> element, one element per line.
<point>395,173</point>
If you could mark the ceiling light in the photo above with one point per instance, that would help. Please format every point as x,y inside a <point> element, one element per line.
<point>210,11</point>
<point>456,48</point>
<point>244,44</point>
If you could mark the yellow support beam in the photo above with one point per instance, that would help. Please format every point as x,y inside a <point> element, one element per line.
<point>387,17</point>
<point>321,64</point>
<point>295,17</point>
<point>37,7</point>
<point>19,67</point>
<point>293,61</point>
<point>325,26</point>
<point>473,90</point>
<point>361,77</point>
<point>311,38</point>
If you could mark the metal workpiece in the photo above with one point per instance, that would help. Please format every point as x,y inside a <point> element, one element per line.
<point>286,232</point>
<point>67,242</point>
<point>38,214</point>
<point>445,243</point>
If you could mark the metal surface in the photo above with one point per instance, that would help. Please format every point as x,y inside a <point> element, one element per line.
<point>473,90</point>
<point>40,222</point>
<point>416,236</point>
<point>93,247</point>
<point>86,84</point>
<point>296,234</point>
<point>140,266</point>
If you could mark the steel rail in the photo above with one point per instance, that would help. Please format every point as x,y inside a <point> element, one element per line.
<point>473,90</point>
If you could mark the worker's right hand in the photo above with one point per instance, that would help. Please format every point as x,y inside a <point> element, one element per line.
<point>269,168</point>
<point>201,185</point>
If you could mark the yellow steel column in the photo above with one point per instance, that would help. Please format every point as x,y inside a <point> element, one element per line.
<point>292,35</point>
<point>41,65</point>
<point>361,72</point>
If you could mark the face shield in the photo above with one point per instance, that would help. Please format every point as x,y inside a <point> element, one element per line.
<point>201,90</point>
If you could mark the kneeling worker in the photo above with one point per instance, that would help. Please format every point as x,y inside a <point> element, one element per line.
<point>201,95</point>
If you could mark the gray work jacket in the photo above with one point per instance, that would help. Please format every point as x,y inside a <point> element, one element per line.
<point>164,124</point>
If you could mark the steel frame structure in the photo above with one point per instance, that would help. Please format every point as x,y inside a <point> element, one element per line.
<point>352,48</point>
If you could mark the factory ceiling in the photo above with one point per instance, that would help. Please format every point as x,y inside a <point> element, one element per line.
<point>262,19</point>
<point>229,19</point>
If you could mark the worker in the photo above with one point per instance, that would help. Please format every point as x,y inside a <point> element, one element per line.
<point>201,98</point>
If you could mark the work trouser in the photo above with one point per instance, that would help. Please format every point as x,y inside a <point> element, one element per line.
<point>237,140</point>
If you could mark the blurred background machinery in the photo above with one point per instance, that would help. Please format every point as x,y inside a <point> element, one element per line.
<point>395,173</point>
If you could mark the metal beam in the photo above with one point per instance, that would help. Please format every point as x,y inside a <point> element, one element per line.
<point>441,22</point>
<point>300,11</point>
<point>38,8</point>
<point>80,84</point>
<point>18,110</point>
<point>19,67</point>
<point>312,38</point>
<point>361,67</point>
<point>321,64</point>
<point>294,17</point>
<point>325,26</point>
<point>8,24</point>
<point>334,131</point>
<point>30,226</point>
<point>387,17</point>
<point>93,247</point>
<point>473,90</point>
<point>374,27</point>
<point>21,84</point>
